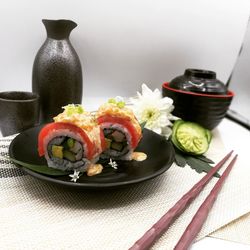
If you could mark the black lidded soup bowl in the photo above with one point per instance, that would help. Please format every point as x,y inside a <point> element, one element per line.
<point>199,97</point>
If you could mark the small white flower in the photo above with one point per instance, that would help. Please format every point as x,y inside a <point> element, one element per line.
<point>150,108</point>
<point>113,164</point>
<point>75,176</point>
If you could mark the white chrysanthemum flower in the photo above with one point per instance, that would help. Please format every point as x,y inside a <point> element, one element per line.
<point>153,110</point>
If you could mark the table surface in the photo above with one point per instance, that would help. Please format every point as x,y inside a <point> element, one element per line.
<point>225,129</point>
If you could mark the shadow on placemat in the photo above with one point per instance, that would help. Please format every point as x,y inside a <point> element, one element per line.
<point>92,199</point>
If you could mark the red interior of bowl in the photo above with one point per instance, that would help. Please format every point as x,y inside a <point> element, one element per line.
<point>166,86</point>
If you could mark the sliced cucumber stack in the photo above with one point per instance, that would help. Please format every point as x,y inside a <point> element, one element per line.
<point>190,137</point>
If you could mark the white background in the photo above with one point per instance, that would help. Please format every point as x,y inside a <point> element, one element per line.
<point>122,44</point>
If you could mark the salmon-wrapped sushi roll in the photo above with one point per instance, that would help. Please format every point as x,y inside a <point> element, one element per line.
<point>73,141</point>
<point>121,130</point>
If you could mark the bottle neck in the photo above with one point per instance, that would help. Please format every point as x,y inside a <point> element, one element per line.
<point>59,29</point>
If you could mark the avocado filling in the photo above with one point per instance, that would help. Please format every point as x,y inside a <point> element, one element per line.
<point>65,148</point>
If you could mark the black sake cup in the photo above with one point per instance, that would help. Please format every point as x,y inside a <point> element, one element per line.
<point>18,111</point>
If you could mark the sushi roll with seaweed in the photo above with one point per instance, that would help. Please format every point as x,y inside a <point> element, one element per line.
<point>121,130</point>
<point>73,142</point>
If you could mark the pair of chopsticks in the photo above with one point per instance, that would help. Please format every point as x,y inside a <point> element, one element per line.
<point>147,240</point>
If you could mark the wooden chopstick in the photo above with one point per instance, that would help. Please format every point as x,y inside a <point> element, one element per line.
<point>165,221</point>
<point>199,218</point>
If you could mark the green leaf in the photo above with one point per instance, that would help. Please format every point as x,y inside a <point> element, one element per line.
<point>179,157</point>
<point>42,169</point>
<point>198,165</point>
<point>204,158</point>
<point>180,160</point>
<point>143,124</point>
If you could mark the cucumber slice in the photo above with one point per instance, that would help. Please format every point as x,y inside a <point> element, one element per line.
<point>209,135</point>
<point>70,142</point>
<point>69,155</point>
<point>173,136</point>
<point>191,138</point>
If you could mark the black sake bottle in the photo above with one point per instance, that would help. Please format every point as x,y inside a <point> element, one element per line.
<point>57,72</point>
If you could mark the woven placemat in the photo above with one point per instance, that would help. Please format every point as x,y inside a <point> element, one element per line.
<point>38,215</point>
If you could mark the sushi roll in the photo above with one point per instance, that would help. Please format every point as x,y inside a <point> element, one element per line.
<point>73,141</point>
<point>121,130</point>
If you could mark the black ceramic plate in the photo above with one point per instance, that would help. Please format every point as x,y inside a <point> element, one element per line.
<point>159,151</point>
